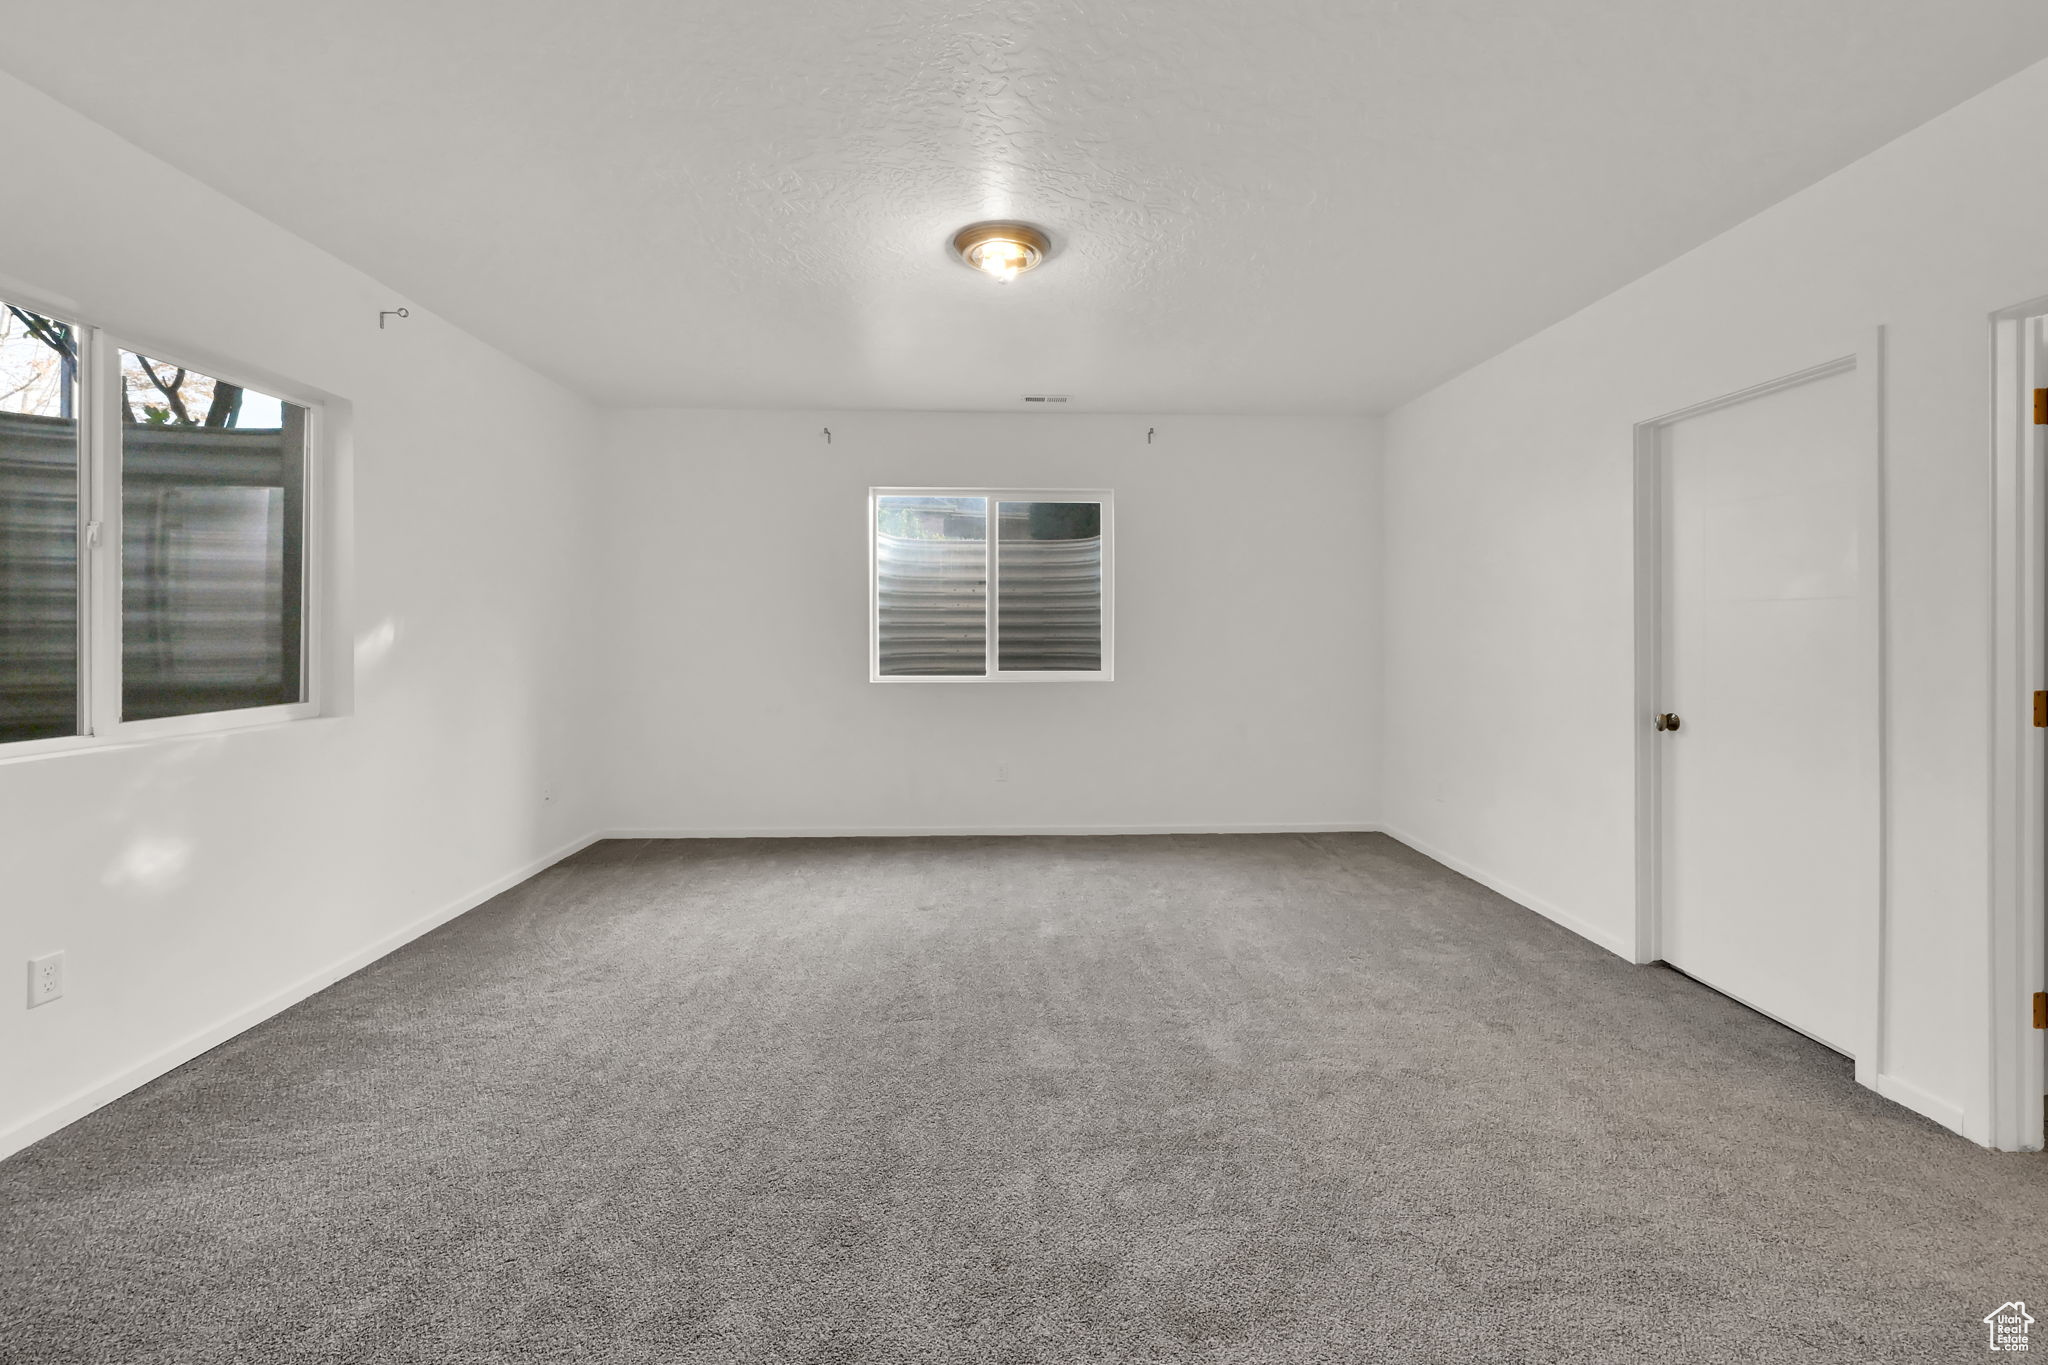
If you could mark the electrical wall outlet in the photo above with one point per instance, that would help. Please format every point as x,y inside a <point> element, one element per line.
<point>1002,772</point>
<point>45,979</point>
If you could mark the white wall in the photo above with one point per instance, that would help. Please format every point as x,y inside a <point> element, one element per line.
<point>194,884</point>
<point>1509,569</point>
<point>1246,667</point>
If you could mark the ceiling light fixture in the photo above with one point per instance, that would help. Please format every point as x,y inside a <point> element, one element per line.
<point>1003,250</point>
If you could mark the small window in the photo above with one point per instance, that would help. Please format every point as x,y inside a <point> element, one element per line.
<point>976,586</point>
<point>153,542</point>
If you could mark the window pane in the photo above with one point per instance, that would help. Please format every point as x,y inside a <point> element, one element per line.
<point>1049,586</point>
<point>38,526</point>
<point>931,585</point>
<point>212,544</point>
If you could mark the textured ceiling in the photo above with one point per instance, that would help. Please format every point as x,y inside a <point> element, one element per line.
<point>1308,205</point>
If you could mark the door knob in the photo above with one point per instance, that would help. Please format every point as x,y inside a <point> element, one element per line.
<point>1667,720</point>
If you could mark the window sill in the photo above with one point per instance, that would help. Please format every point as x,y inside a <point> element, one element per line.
<point>992,677</point>
<point>146,733</point>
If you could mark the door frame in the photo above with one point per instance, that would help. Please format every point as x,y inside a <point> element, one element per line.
<point>1862,357</point>
<point>2015,946</point>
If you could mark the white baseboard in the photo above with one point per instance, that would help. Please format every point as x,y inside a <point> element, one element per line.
<point>1613,943</point>
<point>39,1126</point>
<point>1949,1116</point>
<point>952,831</point>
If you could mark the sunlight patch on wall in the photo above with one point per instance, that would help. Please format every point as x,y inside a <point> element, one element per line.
<point>149,864</point>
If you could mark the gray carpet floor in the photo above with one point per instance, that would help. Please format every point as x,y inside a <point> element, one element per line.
<point>1235,1099</point>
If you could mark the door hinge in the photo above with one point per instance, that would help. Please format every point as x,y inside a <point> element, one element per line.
<point>2041,710</point>
<point>2041,1009</point>
<point>2041,407</point>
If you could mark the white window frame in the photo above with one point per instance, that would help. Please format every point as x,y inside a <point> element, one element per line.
<point>99,540</point>
<point>1103,497</point>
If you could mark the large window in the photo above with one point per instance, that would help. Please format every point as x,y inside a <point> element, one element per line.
<point>971,586</point>
<point>153,529</point>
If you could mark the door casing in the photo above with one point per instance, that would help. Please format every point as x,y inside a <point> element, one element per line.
<point>2017,944</point>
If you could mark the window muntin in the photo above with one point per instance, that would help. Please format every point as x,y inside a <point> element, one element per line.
<point>155,544</point>
<point>950,603</point>
<point>40,463</point>
<point>212,544</point>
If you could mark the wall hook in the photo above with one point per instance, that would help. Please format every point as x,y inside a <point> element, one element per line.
<point>390,313</point>
<point>1148,434</point>
<point>828,435</point>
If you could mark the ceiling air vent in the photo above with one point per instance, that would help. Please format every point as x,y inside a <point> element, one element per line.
<point>1045,398</point>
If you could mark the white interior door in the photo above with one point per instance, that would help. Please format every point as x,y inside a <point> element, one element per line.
<point>1768,814</point>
